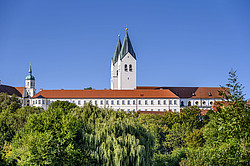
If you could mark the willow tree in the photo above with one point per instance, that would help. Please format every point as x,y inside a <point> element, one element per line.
<point>116,138</point>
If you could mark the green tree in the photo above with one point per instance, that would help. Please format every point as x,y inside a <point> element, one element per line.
<point>9,102</point>
<point>227,134</point>
<point>116,138</point>
<point>53,137</point>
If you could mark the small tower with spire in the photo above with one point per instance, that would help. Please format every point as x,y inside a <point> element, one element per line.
<point>123,66</point>
<point>30,90</point>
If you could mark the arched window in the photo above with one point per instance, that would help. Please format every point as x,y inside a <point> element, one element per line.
<point>130,67</point>
<point>182,103</point>
<point>125,67</point>
<point>189,103</point>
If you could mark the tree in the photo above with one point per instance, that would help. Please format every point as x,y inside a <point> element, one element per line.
<point>116,138</point>
<point>227,134</point>
<point>69,135</point>
<point>11,102</point>
<point>51,137</point>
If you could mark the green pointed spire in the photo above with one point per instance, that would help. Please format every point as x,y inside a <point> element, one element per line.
<point>117,51</point>
<point>30,71</point>
<point>30,76</point>
<point>127,47</point>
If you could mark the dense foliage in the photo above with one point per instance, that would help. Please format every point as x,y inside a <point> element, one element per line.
<point>66,134</point>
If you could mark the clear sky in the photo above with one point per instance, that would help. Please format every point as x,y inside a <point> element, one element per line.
<point>177,43</point>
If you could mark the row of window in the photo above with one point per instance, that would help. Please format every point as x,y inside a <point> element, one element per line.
<point>30,84</point>
<point>126,67</point>
<point>129,102</point>
<point>123,102</point>
<point>196,103</point>
<point>118,102</point>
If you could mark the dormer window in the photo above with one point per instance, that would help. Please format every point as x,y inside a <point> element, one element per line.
<point>209,94</point>
<point>125,67</point>
<point>130,67</point>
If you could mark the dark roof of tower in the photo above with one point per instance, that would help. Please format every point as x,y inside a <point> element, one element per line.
<point>117,51</point>
<point>30,76</point>
<point>127,47</point>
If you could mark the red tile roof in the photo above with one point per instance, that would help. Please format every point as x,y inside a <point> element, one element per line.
<point>190,92</point>
<point>20,89</point>
<point>106,94</point>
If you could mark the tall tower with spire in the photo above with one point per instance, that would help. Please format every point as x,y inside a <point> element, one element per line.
<point>123,66</point>
<point>30,90</point>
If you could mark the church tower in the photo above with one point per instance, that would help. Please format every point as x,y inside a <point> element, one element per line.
<point>123,66</point>
<point>30,90</point>
<point>114,65</point>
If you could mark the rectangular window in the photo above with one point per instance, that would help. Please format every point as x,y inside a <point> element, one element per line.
<point>43,101</point>
<point>175,102</point>
<point>146,102</point>
<point>33,102</point>
<point>95,102</point>
<point>170,101</point>
<point>164,102</point>
<point>101,102</point>
<point>164,110</point>
<point>139,102</point>
<point>128,110</point>
<point>36,101</point>
<point>48,102</point>
<point>39,101</point>
<point>112,102</point>
<point>152,102</point>
<point>79,102</point>
<point>123,102</point>
<point>152,110</point>
<point>128,102</point>
<point>85,101</point>
<point>117,102</point>
<point>73,101</point>
<point>159,110</point>
<point>159,102</point>
<point>133,102</point>
<point>107,102</point>
<point>145,109</point>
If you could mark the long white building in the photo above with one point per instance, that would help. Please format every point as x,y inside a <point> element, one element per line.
<point>124,93</point>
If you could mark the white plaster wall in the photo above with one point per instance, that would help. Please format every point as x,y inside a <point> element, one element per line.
<point>134,104</point>
<point>30,89</point>
<point>127,79</point>
<point>114,77</point>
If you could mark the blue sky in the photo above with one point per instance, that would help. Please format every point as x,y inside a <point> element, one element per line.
<point>177,43</point>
